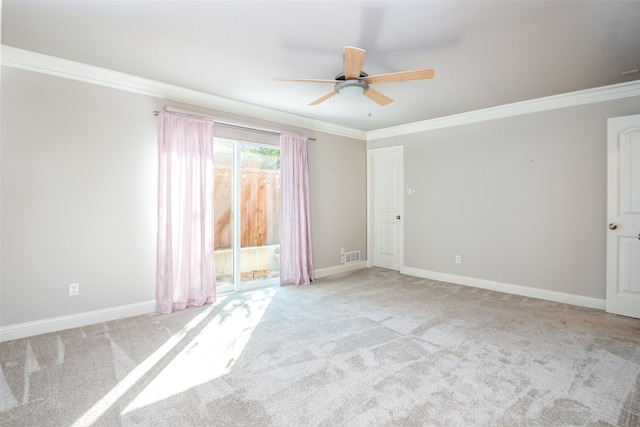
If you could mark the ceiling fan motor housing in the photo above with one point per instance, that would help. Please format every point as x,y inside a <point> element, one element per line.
<point>341,76</point>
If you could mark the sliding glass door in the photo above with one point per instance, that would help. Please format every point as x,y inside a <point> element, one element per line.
<point>246,214</point>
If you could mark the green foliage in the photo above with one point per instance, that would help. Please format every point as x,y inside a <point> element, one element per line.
<point>261,157</point>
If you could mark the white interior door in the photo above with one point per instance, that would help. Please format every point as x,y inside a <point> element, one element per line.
<point>623,214</point>
<point>386,173</point>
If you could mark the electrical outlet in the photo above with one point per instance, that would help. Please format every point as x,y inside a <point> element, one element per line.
<point>74,289</point>
<point>458,259</point>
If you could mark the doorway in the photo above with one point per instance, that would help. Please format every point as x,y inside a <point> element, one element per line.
<point>246,214</point>
<point>623,216</point>
<point>385,183</point>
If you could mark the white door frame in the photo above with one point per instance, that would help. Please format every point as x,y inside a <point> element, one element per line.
<point>370,226</point>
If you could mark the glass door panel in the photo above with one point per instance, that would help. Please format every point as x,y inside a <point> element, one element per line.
<point>246,215</point>
<point>259,213</point>
<point>223,214</point>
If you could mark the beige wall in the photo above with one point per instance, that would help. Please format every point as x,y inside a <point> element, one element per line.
<point>338,179</point>
<point>522,200</point>
<point>78,176</point>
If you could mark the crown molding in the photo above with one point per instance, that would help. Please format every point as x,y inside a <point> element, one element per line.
<point>46,64</point>
<point>51,65</point>
<point>570,99</point>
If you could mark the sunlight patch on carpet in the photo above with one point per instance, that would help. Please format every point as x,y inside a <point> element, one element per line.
<point>212,354</point>
<point>227,334</point>
<point>97,410</point>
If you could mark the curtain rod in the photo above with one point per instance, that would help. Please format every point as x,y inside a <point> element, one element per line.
<point>235,126</point>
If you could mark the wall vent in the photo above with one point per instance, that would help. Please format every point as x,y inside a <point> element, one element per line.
<point>350,257</point>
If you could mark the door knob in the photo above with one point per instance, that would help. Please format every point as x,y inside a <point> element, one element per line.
<point>397,216</point>
<point>613,226</point>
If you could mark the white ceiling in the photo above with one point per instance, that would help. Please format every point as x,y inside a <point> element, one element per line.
<point>485,53</point>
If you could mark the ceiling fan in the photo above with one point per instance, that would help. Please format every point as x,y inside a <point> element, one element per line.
<point>354,81</point>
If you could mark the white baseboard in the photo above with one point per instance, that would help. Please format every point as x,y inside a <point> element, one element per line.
<point>339,269</point>
<point>524,291</point>
<point>28,329</point>
<point>55,324</point>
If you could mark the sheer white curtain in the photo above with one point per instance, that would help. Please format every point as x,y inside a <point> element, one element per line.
<point>185,270</point>
<point>296,264</point>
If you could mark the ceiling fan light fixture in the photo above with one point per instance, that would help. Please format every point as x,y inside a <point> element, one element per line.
<point>352,88</point>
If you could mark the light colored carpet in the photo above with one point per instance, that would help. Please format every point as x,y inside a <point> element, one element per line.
<point>371,348</point>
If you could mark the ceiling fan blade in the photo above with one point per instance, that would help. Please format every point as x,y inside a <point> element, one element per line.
<point>323,98</point>
<point>286,79</point>
<point>377,97</point>
<point>353,59</point>
<point>402,76</point>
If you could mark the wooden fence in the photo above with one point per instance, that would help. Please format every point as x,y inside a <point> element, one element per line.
<point>260,207</point>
